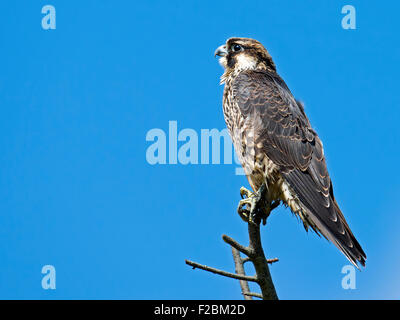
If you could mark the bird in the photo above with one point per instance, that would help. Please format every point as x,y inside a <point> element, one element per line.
<point>281,154</point>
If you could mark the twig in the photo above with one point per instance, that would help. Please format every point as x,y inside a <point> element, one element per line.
<point>239,269</point>
<point>270,261</point>
<point>220,272</point>
<point>253,294</point>
<point>246,250</point>
<point>247,259</point>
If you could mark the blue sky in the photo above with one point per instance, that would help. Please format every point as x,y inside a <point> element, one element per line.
<point>76,191</point>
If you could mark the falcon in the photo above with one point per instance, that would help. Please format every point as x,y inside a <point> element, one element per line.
<point>281,154</point>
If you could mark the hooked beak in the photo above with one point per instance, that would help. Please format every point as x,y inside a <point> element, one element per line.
<point>221,51</point>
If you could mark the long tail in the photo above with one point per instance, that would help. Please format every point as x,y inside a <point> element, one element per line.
<point>326,219</point>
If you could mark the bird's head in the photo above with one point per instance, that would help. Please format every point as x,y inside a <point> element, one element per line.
<point>239,54</point>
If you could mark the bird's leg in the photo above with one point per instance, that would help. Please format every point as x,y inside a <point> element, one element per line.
<point>257,207</point>
<point>254,202</point>
<point>244,212</point>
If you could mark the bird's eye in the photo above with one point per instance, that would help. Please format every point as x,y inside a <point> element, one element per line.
<point>236,47</point>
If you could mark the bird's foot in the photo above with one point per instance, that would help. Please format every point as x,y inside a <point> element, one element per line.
<point>252,206</point>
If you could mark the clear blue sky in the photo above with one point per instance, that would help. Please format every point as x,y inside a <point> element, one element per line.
<point>77,102</point>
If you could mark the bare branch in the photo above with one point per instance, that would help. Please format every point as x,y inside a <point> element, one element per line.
<point>247,259</point>
<point>260,264</point>
<point>239,269</point>
<point>246,250</point>
<point>271,261</point>
<point>220,272</point>
<point>254,294</point>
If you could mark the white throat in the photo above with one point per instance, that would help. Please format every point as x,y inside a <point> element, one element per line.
<point>245,62</point>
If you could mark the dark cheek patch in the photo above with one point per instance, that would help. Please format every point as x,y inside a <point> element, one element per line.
<point>230,61</point>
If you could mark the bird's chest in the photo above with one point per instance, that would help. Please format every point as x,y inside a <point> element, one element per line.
<point>233,118</point>
<point>256,165</point>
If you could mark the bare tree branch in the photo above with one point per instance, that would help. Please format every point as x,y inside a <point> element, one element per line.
<point>233,243</point>
<point>239,269</point>
<point>246,259</point>
<point>270,261</point>
<point>254,294</point>
<point>260,263</point>
<point>220,272</point>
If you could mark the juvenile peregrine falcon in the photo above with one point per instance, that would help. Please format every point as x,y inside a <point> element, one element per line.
<point>281,154</point>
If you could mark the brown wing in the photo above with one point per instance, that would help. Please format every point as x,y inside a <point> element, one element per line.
<point>289,141</point>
